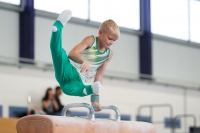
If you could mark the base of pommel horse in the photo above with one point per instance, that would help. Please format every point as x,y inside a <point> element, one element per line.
<point>62,124</point>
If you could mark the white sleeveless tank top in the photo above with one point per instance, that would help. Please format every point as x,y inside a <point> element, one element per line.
<point>94,57</point>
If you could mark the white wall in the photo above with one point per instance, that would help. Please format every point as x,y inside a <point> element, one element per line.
<point>176,62</point>
<point>9,40</point>
<point>16,84</point>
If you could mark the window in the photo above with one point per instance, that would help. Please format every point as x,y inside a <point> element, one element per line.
<point>124,13</point>
<point>170,18</point>
<point>15,2</point>
<point>195,21</point>
<point>79,7</point>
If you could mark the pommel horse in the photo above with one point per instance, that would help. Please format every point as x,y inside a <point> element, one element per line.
<point>63,124</point>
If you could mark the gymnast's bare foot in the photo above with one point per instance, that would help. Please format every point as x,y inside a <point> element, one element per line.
<point>96,106</point>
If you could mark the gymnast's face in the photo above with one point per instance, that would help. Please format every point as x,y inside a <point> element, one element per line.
<point>106,39</point>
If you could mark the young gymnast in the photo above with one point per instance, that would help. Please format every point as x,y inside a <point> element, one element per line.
<point>87,59</point>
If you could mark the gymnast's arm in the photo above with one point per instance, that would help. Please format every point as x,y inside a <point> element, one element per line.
<point>101,70</point>
<point>99,77</point>
<point>74,53</point>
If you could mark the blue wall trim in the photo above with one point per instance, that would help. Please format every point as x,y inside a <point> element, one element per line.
<point>77,113</point>
<point>168,123</point>
<point>144,118</point>
<point>145,40</point>
<point>1,111</point>
<point>102,115</point>
<point>125,117</point>
<point>17,111</point>
<point>26,45</point>
<point>85,114</point>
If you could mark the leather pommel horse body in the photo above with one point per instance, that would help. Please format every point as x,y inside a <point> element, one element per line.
<point>62,124</point>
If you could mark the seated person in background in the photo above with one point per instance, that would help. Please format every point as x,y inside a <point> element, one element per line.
<point>49,103</point>
<point>58,92</point>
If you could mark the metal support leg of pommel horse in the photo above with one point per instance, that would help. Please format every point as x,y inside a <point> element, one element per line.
<point>63,124</point>
<point>91,115</point>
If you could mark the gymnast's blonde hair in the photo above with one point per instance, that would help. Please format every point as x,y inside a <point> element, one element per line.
<point>110,26</point>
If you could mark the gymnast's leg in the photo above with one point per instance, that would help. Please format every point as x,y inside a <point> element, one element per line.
<point>59,56</point>
<point>65,73</point>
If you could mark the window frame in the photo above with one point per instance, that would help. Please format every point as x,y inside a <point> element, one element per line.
<point>190,20</point>
<point>85,22</point>
<point>38,8</point>
<point>89,23</point>
<point>161,31</point>
<point>13,7</point>
<point>177,41</point>
<point>139,24</point>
